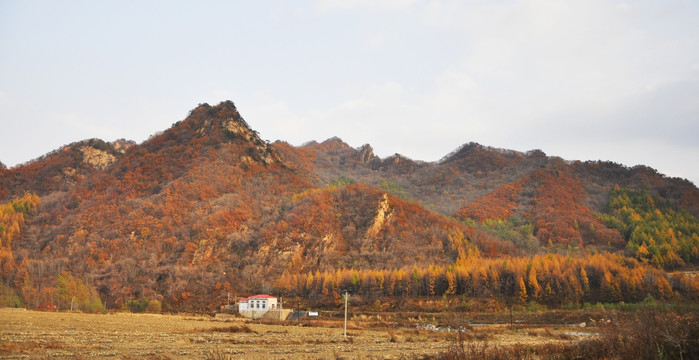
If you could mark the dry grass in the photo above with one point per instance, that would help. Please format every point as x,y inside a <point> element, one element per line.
<point>216,355</point>
<point>651,334</point>
<point>7,347</point>
<point>148,336</point>
<point>231,329</point>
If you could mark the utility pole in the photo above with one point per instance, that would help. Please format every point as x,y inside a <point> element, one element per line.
<point>346,297</point>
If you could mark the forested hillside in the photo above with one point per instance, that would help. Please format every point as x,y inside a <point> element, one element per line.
<point>207,208</point>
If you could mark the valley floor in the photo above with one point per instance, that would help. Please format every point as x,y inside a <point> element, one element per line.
<point>33,334</point>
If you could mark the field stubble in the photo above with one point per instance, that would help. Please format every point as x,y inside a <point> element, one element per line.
<point>32,334</point>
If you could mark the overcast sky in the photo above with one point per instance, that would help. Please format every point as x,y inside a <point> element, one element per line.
<point>583,80</point>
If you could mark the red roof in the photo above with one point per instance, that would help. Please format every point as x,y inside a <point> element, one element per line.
<point>262,296</point>
<point>243,299</point>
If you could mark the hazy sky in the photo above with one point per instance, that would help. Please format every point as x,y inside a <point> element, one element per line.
<point>583,80</point>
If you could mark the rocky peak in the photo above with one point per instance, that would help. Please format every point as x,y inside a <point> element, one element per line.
<point>219,124</point>
<point>366,154</point>
<point>210,120</point>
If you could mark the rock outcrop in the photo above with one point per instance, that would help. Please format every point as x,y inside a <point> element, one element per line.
<point>97,158</point>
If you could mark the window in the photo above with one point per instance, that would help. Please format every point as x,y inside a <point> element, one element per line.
<point>263,305</point>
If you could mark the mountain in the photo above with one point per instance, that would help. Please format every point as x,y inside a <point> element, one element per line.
<point>206,207</point>
<point>473,171</point>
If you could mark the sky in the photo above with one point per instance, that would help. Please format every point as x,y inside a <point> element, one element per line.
<point>583,80</point>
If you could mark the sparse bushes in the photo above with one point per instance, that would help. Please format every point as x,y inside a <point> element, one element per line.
<point>653,334</point>
<point>143,305</point>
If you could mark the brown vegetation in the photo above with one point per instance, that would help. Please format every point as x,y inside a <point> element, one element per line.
<point>207,208</point>
<point>651,334</point>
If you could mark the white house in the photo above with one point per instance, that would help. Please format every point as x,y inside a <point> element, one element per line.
<point>243,304</point>
<point>257,305</point>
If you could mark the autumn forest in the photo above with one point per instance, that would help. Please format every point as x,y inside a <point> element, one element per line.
<point>206,209</point>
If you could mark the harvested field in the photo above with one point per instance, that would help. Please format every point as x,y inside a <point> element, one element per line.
<point>32,334</point>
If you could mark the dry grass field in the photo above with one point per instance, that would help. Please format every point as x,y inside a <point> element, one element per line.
<point>56,335</point>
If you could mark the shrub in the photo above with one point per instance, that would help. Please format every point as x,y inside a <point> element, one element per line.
<point>154,307</point>
<point>136,306</point>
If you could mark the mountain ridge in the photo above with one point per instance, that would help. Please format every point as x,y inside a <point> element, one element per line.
<point>206,204</point>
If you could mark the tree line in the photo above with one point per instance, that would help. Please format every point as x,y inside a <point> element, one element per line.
<point>551,279</point>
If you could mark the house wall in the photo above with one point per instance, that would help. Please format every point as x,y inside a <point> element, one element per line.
<point>243,306</point>
<point>275,314</point>
<point>262,304</point>
<point>257,304</point>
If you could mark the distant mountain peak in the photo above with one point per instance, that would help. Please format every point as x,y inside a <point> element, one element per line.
<point>206,119</point>
<point>473,148</point>
<point>211,125</point>
<point>335,143</point>
<point>460,152</point>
